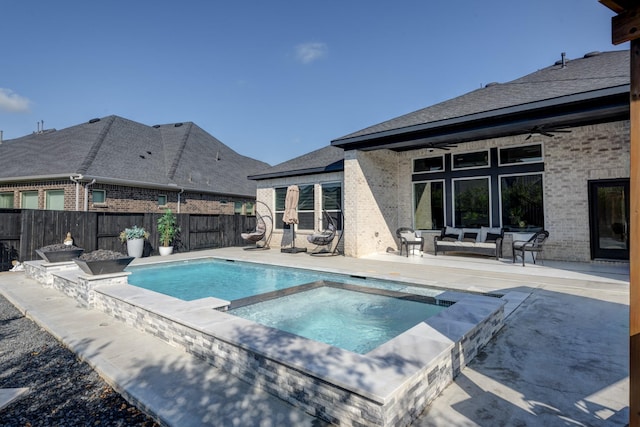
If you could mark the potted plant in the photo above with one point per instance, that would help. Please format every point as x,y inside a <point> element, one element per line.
<point>134,238</point>
<point>167,231</point>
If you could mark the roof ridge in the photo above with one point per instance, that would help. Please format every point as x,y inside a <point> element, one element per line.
<point>93,151</point>
<point>183,144</point>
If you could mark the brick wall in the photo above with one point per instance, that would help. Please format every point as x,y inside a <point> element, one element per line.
<point>125,199</point>
<point>371,196</point>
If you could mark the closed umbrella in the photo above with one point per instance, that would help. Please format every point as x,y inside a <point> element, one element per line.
<point>291,216</point>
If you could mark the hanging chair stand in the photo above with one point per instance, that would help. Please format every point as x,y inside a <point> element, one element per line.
<point>326,238</point>
<point>257,236</point>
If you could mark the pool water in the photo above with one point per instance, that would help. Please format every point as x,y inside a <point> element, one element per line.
<point>190,280</point>
<point>354,321</point>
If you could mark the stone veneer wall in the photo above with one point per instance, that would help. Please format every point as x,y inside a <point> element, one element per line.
<point>314,394</point>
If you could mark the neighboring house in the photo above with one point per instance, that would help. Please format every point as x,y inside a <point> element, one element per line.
<point>118,165</point>
<point>319,176</point>
<point>547,151</point>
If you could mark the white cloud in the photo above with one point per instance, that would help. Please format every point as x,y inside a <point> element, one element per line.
<point>309,52</point>
<point>12,102</point>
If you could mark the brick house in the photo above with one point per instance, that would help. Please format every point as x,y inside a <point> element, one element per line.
<point>118,165</point>
<point>549,150</point>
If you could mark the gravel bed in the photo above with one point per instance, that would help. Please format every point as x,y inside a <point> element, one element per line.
<point>63,391</point>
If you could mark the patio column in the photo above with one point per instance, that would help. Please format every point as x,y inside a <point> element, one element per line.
<point>626,27</point>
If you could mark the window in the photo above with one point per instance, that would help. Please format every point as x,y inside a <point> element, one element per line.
<point>428,205</point>
<point>477,159</point>
<point>281,194</point>
<point>429,164</point>
<point>522,207</point>
<point>524,154</point>
<point>332,204</point>
<point>306,210</point>
<point>54,200</point>
<point>29,200</point>
<point>238,207</point>
<point>6,200</point>
<point>162,200</point>
<point>250,208</point>
<point>471,202</point>
<point>305,207</point>
<point>98,197</point>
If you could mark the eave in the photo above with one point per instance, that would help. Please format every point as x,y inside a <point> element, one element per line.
<point>598,106</point>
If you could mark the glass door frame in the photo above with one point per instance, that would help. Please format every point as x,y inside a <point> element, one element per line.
<point>596,251</point>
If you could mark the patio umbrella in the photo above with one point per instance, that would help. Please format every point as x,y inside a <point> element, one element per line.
<point>291,205</point>
<point>291,216</point>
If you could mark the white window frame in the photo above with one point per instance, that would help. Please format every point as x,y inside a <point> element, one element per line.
<point>522,146</point>
<point>166,200</point>
<point>104,196</point>
<point>29,192</point>
<point>488,165</point>
<point>413,164</point>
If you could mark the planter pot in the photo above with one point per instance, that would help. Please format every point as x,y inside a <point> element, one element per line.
<point>59,256</point>
<point>135,247</point>
<point>165,250</point>
<point>104,266</point>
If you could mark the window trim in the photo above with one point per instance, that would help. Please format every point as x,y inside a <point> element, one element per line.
<point>453,196</point>
<point>488,165</point>
<point>166,200</point>
<point>522,146</point>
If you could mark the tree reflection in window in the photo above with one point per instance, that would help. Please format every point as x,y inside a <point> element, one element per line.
<point>522,207</point>
<point>471,200</point>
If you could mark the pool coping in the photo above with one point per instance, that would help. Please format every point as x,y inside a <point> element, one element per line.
<point>383,377</point>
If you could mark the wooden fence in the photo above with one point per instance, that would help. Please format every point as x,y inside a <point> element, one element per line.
<point>22,231</point>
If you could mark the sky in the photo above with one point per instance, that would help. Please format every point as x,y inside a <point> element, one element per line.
<point>273,79</point>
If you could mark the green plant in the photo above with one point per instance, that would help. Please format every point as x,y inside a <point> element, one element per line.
<point>167,228</point>
<point>134,232</point>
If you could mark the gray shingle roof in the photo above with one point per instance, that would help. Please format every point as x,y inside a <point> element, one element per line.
<point>327,159</point>
<point>593,72</point>
<point>119,149</point>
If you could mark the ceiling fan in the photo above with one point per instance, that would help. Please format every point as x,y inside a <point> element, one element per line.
<point>541,130</point>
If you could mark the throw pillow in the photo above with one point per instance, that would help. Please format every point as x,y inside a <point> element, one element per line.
<point>491,237</point>
<point>470,237</point>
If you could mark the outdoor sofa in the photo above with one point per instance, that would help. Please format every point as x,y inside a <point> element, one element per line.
<point>479,241</point>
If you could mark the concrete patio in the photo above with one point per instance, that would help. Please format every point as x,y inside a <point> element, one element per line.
<point>561,359</point>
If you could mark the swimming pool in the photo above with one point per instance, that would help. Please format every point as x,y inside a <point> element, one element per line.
<point>233,280</point>
<point>345,318</point>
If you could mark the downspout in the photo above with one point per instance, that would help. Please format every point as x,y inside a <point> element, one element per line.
<point>75,180</point>
<point>86,194</point>
<point>181,191</point>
